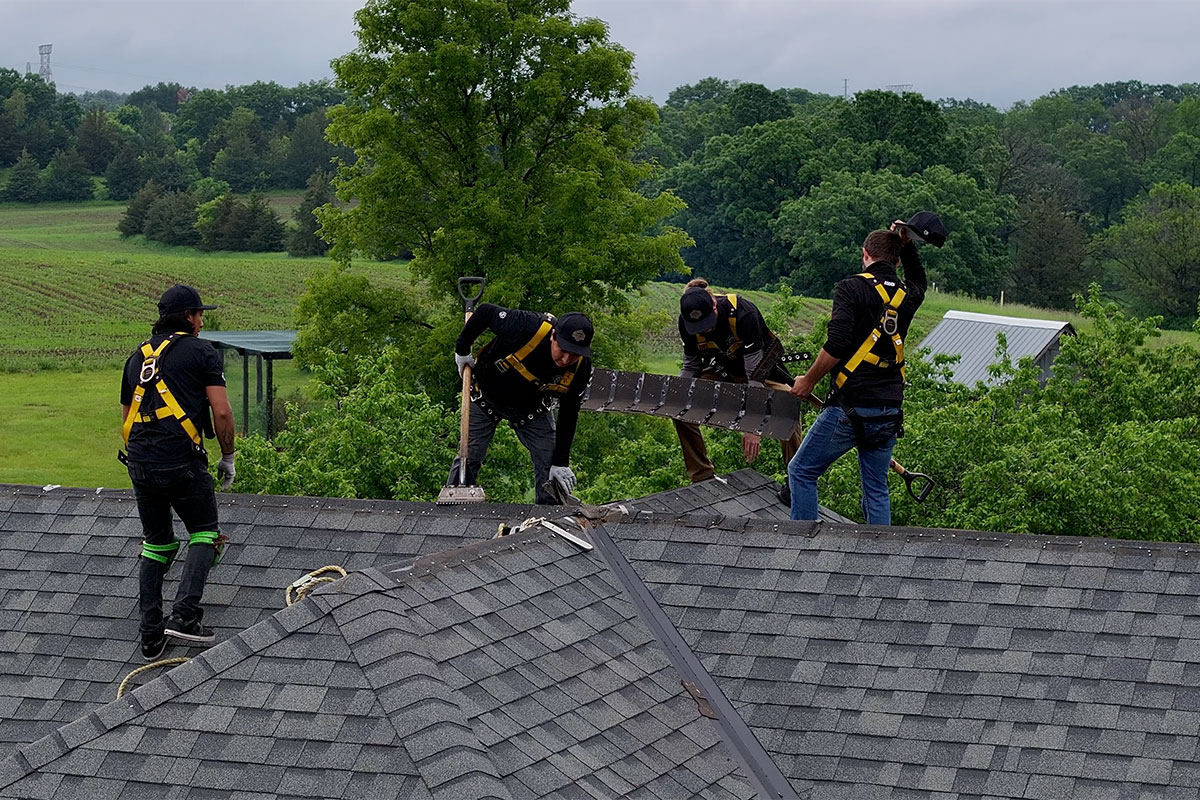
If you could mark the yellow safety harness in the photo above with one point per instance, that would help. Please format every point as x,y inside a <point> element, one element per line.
<point>517,361</point>
<point>150,375</point>
<point>889,325</point>
<point>706,345</point>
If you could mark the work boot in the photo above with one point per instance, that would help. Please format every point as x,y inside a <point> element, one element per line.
<point>785,494</point>
<point>191,632</point>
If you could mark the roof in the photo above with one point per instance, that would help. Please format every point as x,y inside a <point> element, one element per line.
<point>851,661</point>
<point>973,337</point>
<point>268,344</point>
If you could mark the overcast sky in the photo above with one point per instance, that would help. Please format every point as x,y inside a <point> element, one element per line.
<point>996,51</point>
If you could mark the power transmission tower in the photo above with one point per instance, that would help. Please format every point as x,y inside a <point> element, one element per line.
<point>899,88</point>
<point>44,52</point>
<point>845,88</point>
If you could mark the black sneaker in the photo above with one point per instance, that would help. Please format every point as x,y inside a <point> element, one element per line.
<point>153,647</point>
<point>785,495</point>
<point>193,632</point>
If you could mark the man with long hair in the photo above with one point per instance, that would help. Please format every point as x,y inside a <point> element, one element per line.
<point>172,395</point>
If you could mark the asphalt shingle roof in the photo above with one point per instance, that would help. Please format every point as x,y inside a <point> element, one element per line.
<point>889,663</point>
<point>494,670</point>
<point>867,662</point>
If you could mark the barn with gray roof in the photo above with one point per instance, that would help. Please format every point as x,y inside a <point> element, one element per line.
<point>972,337</point>
<point>689,644</point>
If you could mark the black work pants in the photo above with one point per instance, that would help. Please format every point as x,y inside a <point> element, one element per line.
<point>187,488</point>
<point>537,434</point>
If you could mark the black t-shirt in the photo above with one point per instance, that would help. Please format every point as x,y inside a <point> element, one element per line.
<point>188,367</point>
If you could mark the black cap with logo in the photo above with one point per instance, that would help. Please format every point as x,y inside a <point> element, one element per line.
<point>926,226</point>
<point>573,332</point>
<point>697,310</point>
<point>181,298</point>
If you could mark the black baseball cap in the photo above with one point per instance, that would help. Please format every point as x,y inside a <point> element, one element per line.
<point>926,226</point>
<point>573,331</point>
<point>181,298</point>
<point>697,310</point>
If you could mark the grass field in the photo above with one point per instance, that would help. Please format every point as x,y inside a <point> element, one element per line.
<point>75,298</point>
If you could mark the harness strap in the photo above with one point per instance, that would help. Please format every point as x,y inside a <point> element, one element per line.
<point>517,361</point>
<point>150,376</point>
<point>889,325</point>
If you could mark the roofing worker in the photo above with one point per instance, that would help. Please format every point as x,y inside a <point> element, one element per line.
<point>725,339</point>
<point>864,349</point>
<point>533,361</point>
<point>170,384</point>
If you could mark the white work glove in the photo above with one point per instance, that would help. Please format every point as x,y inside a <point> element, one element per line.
<point>564,477</point>
<point>464,361</point>
<point>226,472</point>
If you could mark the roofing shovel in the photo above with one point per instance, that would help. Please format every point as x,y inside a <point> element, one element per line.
<point>462,493</point>
<point>919,484</point>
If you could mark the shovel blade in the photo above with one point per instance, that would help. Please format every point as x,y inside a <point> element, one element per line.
<point>457,495</point>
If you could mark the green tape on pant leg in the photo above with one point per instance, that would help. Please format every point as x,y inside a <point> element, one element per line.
<point>162,553</point>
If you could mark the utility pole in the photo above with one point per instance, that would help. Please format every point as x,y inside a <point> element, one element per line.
<point>845,88</point>
<point>44,52</point>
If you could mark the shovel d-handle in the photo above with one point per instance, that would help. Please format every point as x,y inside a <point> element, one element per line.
<point>924,484</point>
<point>471,299</point>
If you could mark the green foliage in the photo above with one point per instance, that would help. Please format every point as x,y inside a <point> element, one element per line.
<point>495,138</point>
<point>133,221</point>
<point>171,219</point>
<point>1049,251</point>
<point>24,182</point>
<point>227,223</point>
<point>826,228</point>
<point>1109,446</point>
<point>1157,248</point>
<point>66,178</point>
<point>304,239</point>
<point>124,175</point>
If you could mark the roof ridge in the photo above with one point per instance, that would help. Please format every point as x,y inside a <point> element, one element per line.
<point>424,691</point>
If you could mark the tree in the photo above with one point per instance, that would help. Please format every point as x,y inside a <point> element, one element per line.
<point>171,219</point>
<point>753,103</point>
<point>265,230</point>
<point>97,140</point>
<point>222,223</point>
<point>124,174</point>
<point>162,96</point>
<point>238,164</point>
<point>825,229</point>
<point>496,138</point>
<point>304,239</point>
<point>1157,249</point>
<point>133,222</point>
<point>66,178</point>
<point>24,185</point>
<point>1048,263</point>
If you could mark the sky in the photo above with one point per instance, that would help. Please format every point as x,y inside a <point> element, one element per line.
<point>994,51</point>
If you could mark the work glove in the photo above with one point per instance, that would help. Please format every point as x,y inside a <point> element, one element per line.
<point>564,477</point>
<point>464,361</point>
<point>225,471</point>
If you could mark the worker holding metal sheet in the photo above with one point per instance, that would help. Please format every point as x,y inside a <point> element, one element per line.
<point>725,338</point>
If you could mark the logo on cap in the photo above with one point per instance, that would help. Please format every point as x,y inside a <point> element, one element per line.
<point>695,315</point>
<point>579,336</point>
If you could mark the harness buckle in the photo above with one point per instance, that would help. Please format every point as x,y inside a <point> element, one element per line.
<point>890,322</point>
<point>149,370</point>
<point>501,365</point>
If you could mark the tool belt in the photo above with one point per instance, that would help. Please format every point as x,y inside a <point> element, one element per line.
<point>517,421</point>
<point>878,438</point>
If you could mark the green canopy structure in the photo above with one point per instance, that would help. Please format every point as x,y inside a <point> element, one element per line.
<point>264,346</point>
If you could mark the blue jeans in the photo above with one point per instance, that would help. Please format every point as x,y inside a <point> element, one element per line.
<point>829,438</point>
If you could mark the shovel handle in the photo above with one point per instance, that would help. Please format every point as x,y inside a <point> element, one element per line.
<point>924,482</point>
<point>468,299</point>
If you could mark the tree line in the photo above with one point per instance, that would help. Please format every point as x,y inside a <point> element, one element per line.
<point>170,143</point>
<point>1042,199</point>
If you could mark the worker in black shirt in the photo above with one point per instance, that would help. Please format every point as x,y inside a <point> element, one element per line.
<point>864,350</point>
<point>169,387</point>
<point>534,360</point>
<point>725,338</point>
